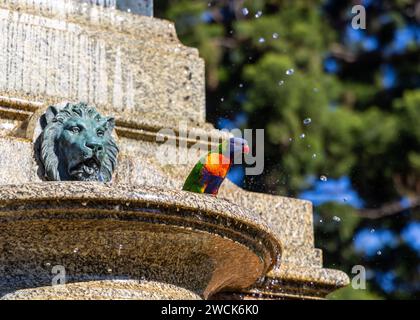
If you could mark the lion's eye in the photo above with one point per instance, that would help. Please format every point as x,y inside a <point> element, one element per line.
<point>75,129</point>
<point>100,133</point>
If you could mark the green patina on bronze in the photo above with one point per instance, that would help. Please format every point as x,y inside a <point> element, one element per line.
<point>77,144</point>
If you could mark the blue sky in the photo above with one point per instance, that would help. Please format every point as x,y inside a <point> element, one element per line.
<point>359,39</point>
<point>411,235</point>
<point>333,190</point>
<point>372,242</point>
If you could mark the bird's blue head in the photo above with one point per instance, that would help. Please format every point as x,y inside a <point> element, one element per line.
<point>237,146</point>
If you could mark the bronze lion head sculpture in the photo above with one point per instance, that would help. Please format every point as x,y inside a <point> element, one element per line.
<point>77,144</point>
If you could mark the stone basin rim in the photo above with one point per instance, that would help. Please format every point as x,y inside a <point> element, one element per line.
<point>94,200</point>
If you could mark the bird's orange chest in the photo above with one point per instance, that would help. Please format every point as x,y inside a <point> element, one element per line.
<point>217,164</point>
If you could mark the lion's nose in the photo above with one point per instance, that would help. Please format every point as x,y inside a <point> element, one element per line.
<point>95,147</point>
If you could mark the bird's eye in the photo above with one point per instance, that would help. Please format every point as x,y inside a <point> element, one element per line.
<point>75,129</point>
<point>100,133</point>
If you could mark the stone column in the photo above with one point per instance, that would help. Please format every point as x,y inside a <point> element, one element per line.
<point>141,7</point>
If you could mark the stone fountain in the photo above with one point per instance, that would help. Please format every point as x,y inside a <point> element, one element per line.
<point>138,236</point>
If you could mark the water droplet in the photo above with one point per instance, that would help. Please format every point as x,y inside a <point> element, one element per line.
<point>222,99</point>
<point>323,178</point>
<point>275,35</point>
<point>302,136</point>
<point>320,221</point>
<point>372,230</point>
<point>307,121</point>
<point>128,10</point>
<point>290,139</point>
<point>241,85</point>
<point>258,14</point>
<point>336,219</point>
<point>281,82</point>
<point>379,252</point>
<point>314,156</point>
<point>261,40</point>
<point>290,72</point>
<point>245,11</point>
<point>76,250</point>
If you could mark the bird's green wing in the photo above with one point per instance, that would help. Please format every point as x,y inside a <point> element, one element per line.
<point>194,182</point>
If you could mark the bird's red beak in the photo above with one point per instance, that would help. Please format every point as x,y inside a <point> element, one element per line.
<point>246,149</point>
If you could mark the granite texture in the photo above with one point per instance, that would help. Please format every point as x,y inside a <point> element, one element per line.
<point>16,151</point>
<point>105,290</point>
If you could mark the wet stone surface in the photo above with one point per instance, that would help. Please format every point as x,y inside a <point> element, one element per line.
<point>97,231</point>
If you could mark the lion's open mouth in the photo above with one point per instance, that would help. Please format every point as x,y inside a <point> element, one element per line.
<point>87,170</point>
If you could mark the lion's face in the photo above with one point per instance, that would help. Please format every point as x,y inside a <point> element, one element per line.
<point>78,145</point>
<point>81,144</point>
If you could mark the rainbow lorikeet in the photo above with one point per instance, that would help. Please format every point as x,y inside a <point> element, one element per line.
<point>210,171</point>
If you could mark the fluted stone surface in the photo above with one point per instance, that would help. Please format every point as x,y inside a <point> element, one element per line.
<point>115,60</point>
